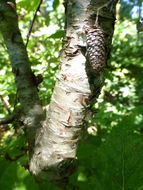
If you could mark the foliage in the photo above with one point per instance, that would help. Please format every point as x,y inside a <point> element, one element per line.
<point>111,156</point>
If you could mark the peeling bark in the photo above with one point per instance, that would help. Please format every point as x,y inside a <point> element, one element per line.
<point>55,149</point>
<point>77,86</point>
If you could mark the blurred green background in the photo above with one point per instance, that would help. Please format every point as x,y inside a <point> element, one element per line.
<point>110,156</point>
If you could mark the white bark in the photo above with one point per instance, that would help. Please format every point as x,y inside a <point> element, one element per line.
<point>56,143</point>
<point>54,152</point>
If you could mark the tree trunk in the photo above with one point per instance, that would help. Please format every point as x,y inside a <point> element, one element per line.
<point>78,84</point>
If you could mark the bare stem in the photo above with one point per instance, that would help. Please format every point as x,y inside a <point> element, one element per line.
<point>32,22</point>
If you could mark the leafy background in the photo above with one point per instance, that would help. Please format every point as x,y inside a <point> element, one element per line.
<point>110,155</point>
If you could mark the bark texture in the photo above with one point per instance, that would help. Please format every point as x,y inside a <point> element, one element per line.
<point>77,85</point>
<point>31,109</point>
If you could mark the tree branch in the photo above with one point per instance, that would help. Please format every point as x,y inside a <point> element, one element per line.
<point>16,115</point>
<point>32,22</point>
<point>21,67</point>
<point>7,120</point>
<point>5,104</point>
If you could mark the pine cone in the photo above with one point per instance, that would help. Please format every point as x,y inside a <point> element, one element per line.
<point>96,48</point>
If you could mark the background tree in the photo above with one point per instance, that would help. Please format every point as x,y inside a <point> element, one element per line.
<point>96,174</point>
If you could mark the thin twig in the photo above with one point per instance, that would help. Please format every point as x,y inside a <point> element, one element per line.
<point>9,158</point>
<point>5,103</point>
<point>32,22</point>
<point>139,17</point>
<point>98,10</point>
<point>7,120</point>
<point>10,118</point>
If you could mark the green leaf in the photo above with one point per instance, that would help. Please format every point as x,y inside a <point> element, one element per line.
<point>56,4</point>
<point>28,5</point>
<point>117,161</point>
<point>15,177</point>
<point>57,34</point>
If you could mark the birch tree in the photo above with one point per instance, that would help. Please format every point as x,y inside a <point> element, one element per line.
<point>89,27</point>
